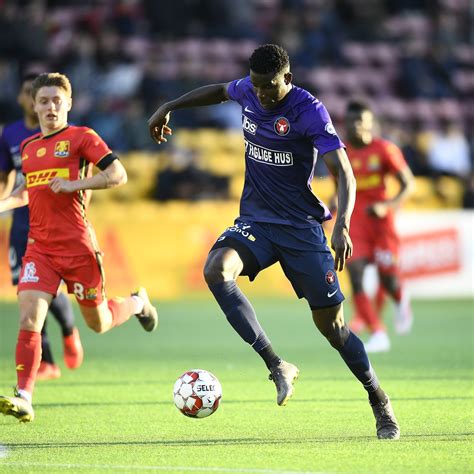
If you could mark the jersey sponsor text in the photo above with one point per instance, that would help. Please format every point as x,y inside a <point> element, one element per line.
<point>39,178</point>
<point>267,156</point>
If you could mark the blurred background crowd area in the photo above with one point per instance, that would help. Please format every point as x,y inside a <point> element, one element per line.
<point>413,60</point>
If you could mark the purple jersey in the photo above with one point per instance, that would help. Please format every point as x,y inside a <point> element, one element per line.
<point>10,159</point>
<point>281,148</point>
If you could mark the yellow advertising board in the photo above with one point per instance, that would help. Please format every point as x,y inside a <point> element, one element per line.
<point>160,246</point>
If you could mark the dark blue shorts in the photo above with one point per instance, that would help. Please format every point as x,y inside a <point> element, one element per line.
<point>303,254</point>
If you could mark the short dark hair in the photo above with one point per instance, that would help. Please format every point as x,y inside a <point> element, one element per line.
<point>358,106</point>
<point>269,58</point>
<point>29,76</point>
<point>51,79</point>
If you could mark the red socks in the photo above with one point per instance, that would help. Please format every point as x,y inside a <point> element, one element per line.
<point>28,358</point>
<point>366,311</point>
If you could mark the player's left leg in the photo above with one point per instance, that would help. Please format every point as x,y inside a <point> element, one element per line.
<point>47,370</point>
<point>311,272</point>
<point>85,277</point>
<point>116,311</point>
<point>330,322</point>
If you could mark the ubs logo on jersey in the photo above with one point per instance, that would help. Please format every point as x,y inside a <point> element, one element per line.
<point>282,126</point>
<point>61,149</point>
<point>248,125</point>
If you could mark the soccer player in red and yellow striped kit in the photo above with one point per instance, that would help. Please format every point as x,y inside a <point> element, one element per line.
<point>57,164</point>
<point>373,230</point>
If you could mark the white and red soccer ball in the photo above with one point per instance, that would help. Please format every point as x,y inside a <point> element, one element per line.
<point>197,393</point>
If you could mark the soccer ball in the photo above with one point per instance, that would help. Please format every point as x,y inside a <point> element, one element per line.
<point>197,393</point>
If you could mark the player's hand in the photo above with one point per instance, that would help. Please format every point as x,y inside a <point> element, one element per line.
<point>60,185</point>
<point>341,243</point>
<point>378,209</point>
<point>158,125</point>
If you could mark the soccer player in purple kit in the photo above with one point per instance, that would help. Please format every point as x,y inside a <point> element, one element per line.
<point>285,129</point>
<point>11,137</point>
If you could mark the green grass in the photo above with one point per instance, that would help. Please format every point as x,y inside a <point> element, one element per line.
<point>116,412</point>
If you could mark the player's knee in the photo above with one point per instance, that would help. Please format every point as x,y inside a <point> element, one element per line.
<point>390,282</point>
<point>98,326</point>
<point>221,265</point>
<point>30,322</point>
<point>357,286</point>
<point>338,337</point>
<point>213,272</point>
<point>330,322</point>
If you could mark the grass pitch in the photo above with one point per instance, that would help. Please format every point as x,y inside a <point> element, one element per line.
<point>115,413</point>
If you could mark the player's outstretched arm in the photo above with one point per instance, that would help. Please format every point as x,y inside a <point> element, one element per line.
<point>339,165</point>
<point>17,198</point>
<point>207,95</point>
<point>112,176</point>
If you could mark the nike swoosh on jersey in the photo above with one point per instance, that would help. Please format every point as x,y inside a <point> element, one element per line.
<point>248,110</point>
<point>332,294</point>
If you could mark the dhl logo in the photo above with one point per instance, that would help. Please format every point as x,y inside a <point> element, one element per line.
<point>39,178</point>
<point>368,182</point>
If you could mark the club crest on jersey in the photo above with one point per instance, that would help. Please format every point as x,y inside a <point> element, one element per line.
<point>29,273</point>
<point>91,293</point>
<point>374,162</point>
<point>281,126</point>
<point>61,149</point>
<point>330,277</point>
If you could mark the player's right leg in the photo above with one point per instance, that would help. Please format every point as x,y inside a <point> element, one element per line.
<point>387,258</point>
<point>33,309</point>
<point>378,341</point>
<point>235,253</point>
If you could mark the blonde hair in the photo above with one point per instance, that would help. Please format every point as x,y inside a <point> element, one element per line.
<point>51,79</point>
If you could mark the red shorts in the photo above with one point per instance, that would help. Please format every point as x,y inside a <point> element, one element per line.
<point>377,241</point>
<point>83,275</point>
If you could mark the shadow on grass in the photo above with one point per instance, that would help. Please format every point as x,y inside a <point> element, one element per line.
<point>111,383</point>
<point>246,401</point>
<point>239,441</point>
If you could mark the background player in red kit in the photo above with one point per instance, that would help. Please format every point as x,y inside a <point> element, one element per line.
<point>373,230</point>
<point>57,164</point>
<point>11,137</point>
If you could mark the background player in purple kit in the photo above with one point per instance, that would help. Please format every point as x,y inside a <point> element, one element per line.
<point>11,137</point>
<point>285,129</point>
